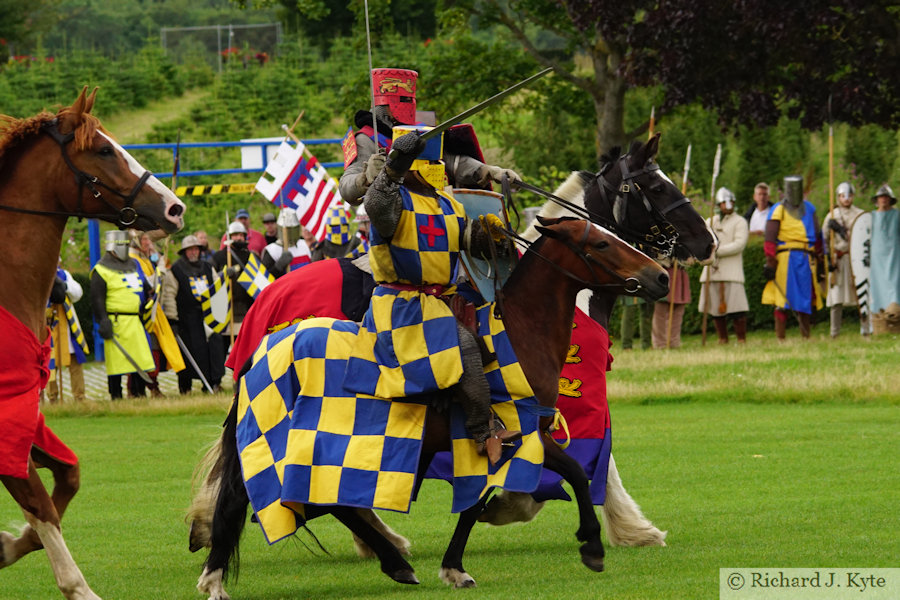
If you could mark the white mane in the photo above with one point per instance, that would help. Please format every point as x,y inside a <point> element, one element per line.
<point>572,189</point>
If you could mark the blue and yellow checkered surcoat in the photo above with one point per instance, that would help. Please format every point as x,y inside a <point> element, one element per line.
<point>408,343</point>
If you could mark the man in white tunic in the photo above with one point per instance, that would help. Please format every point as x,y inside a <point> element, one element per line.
<point>835,232</point>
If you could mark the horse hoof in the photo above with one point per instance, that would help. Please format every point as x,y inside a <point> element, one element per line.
<point>405,576</point>
<point>458,579</point>
<point>593,563</point>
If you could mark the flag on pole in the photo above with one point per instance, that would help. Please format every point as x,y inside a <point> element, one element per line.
<point>254,276</point>
<point>300,182</point>
<point>215,301</point>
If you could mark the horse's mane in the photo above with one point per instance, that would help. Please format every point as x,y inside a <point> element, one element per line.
<point>572,189</point>
<point>13,131</point>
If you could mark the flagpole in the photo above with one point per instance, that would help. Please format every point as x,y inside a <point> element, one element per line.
<point>228,281</point>
<point>687,169</point>
<point>829,256</point>
<point>712,209</point>
<point>60,314</point>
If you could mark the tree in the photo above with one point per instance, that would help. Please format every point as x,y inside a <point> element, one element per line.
<point>751,60</point>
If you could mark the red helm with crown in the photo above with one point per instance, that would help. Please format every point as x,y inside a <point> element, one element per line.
<point>396,88</point>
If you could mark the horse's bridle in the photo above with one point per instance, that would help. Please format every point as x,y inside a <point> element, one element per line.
<point>662,237</point>
<point>631,285</point>
<point>125,217</point>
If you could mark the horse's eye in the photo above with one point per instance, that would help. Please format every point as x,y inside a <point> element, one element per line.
<point>106,151</point>
<point>602,245</point>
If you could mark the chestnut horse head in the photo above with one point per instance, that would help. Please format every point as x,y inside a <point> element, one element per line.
<point>67,165</point>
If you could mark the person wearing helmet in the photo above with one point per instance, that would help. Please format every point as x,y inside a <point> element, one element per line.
<point>338,241</point>
<point>395,104</point>
<point>884,277</point>
<point>240,254</point>
<point>255,240</point>
<point>418,231</point>
<point>794,267</point>
<point>119,292</point>
<point>185,313</point>
<point>722,292</point>
<point>836,238</point>
<point>290,252</point>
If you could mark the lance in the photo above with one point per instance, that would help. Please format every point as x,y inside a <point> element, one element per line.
<point>142,373</point>
<point>652,125</point>
<point>712,207</point>
<point>187,353</point>
<point>830,254</point>
<point>371,76</point>
<point>228,283</point>
<point>435,131</point>
<point>684,178</point>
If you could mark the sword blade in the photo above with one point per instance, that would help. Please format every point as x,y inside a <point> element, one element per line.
<point>187,354</point>
<point>142,373</point>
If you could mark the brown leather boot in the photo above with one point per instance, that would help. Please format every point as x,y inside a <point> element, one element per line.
<point>804,321</point>
<point>721,329</point>
<point>740,329</point>
<point>780,327</point>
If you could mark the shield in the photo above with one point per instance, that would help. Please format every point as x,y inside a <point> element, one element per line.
<point>481,272</point>
<point>860,253</point>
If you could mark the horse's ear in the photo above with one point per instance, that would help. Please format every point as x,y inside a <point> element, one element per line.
<point>652,148</point>
<point>546,231</point>
<point>89,103</point>
<point>77,107</point>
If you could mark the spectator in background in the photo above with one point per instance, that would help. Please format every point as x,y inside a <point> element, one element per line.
<point>69,344</point>
<point>644,310</point>
<point>256,241</point>
<point>758,212</point>
<point>884,277</point>
<point>666,335</point>
<point>793,269</point>
<point>240,298</point>
<point>271,226</point>
<point>280,260</point>
<point>722,291</point>
<point>836,238</point>
<point>185,313</point>
<point>205,252</point>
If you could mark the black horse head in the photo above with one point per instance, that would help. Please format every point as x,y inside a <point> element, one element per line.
<point>636,199</point>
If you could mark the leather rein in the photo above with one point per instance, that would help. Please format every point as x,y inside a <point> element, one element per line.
<point>125,217</point>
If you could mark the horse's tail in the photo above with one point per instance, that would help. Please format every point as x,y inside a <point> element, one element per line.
<point>625,524</point>
<point>205,487</point>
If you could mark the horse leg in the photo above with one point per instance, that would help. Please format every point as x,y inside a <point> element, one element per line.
<point>392,563</point>
<point>66,480</point>
<point>43,519</point>
<point>556,459</point>
<point>229,517</point>
<point>452,571</point>
<point>622,517</point>
<point>371,517</point>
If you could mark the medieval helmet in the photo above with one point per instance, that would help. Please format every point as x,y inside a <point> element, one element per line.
<point>288,218</point>
<point>396,88</point>
<point>429,163</point>
<point>117,243</point>
<point>846,189</point>
<point>189,241</point>
<point>885,190</point>
<point>725,196</point>
<point>236,227</point>
<point>793,190</point>
<point>338,226</point>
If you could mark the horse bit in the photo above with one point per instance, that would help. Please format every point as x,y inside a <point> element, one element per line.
<point>126,216</point>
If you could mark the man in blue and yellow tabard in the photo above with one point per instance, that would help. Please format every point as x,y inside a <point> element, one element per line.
<point>410,342</point>
<point>793,250</point>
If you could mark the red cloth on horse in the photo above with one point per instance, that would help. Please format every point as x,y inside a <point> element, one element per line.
<point>582,398</point>
<point>23,374</point>
<point>311,291</point>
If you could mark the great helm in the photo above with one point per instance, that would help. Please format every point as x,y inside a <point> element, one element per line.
<point>337,229</point>
<point>793,190</point>
<point>429,163</point>
<point>117,243</point>
<point>396,88</point>
<point>725,196</point>
<point>236,227</point>
<point>288,218</point>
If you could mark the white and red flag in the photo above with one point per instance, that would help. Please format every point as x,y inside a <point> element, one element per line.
<point>294,178</point>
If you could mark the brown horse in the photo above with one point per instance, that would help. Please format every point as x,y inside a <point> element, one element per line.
<point>53,167</point>
<point>538,308</point>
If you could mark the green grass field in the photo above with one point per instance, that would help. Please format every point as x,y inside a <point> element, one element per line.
<point>777,455</point>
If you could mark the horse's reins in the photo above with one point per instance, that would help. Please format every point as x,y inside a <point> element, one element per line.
<point>125,217</point>
<point>630,284</point>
